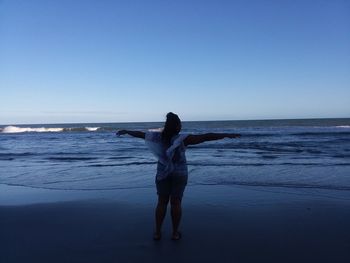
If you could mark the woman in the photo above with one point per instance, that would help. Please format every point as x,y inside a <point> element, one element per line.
<point>169,147</point>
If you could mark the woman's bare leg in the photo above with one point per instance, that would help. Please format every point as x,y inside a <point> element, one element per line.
<point>160,213</point>
<point>176,213</point>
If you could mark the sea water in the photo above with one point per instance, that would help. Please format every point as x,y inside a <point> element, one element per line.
<point>309,153</point>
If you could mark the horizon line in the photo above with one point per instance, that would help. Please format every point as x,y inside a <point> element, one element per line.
<point>223,120</point>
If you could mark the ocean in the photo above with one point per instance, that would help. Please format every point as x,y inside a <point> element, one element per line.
<point>305,153</point>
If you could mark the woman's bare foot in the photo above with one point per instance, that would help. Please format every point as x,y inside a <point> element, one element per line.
<point>176,235</point>
<point>157,236</point>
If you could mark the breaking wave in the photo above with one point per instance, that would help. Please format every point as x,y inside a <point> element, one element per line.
<point>16,129</point>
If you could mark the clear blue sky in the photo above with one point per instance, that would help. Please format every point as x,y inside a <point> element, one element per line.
<point>115,61</point>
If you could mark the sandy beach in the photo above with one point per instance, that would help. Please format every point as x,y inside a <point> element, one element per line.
<point>220,223</point>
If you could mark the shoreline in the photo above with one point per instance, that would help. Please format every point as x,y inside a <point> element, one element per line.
<point>27,195</point>
<point>226,223</point>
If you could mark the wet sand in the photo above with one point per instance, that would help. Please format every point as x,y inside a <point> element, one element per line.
<point>220,224</point>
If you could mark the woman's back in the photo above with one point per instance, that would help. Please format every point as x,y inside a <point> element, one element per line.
<point>171,157</point>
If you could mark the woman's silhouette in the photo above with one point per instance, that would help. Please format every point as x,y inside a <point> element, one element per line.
<point>169,147</point>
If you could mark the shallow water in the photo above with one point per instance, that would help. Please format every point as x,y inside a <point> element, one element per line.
<point>289,153</point>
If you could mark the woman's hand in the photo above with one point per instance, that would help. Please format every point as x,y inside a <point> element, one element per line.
<point>137,134</point>
<point>233,135</point>
<point>121,132</point>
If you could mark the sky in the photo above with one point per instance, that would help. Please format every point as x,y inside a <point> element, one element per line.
<point>125,60</point>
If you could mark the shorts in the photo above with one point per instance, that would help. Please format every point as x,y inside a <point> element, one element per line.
<point>173,185</point>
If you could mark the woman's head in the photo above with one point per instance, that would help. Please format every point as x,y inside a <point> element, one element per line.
<point>172,126</point>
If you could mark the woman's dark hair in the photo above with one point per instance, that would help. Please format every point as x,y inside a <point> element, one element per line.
<point>171,127</point>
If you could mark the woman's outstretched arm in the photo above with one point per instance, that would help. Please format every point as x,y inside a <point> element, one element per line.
<point>137,134</point>
<point>196,139</point>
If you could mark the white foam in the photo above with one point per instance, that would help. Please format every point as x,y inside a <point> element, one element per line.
<point>343,126</point>
<point>15,129</point>
<point>92,128</point>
